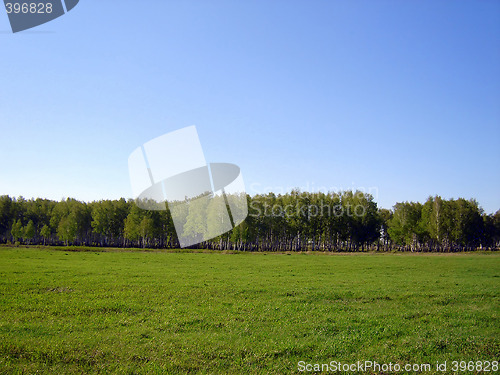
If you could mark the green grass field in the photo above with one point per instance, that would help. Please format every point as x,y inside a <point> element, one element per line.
<point>158,312</point>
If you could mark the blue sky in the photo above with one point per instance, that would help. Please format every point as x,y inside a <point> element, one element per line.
<point>401,98</point>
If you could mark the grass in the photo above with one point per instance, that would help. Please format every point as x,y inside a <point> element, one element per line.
<point>155,312</point>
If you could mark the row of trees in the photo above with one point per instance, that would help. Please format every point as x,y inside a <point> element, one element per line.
<point>443,224</point>
<point>297,221</point>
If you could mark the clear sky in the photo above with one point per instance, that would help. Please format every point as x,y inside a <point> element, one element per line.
<point>401,98</point>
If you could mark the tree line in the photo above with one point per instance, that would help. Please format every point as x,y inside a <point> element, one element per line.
<point>296,221</point>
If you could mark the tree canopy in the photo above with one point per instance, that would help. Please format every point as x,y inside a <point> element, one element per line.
<point>296,221</point>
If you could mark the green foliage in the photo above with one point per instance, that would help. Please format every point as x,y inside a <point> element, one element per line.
<point>404,226</point>
<point>29,231</point>
<point>45,232</point>
<point>217,217</point>
<point>5,213</point>
<point>146,228</point>
<point>441,223</point>
<point>132,224</point>
<point>302,221</point>
<point>17,230</point>
<point>361,216</point>
<point>196,225</point>
<point>296,221</point>
<point>67,228</point>
<point>108,218</point>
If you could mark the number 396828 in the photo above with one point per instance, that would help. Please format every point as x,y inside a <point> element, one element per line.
<point>26,8</point>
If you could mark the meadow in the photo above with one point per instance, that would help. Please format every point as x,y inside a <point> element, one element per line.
<point>142,312</point>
